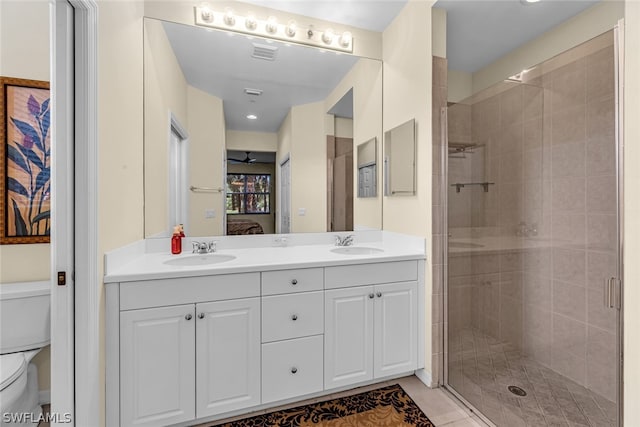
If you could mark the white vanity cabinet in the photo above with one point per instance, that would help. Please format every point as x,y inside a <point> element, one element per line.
<point>157,365</point>
<point>370,331</point>
<point>179,362</point>
<point>193,349</point>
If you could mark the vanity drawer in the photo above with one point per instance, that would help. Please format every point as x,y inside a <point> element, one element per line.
<point>292,316</point>
<point>185,290</point>
<point>370,274</point>
<point>288,281</point>
<point>292,368</point>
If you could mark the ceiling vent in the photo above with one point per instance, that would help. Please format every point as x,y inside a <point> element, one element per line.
<point>252,92</point>
<point>263,51</point>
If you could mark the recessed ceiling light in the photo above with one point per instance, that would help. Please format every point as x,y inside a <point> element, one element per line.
<point>252,117</point>
<point>528,2</point>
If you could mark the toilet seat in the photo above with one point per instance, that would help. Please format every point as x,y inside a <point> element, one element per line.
<point>12,366</point>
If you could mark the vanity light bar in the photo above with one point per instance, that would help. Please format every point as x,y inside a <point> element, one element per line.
<point>271,29</point>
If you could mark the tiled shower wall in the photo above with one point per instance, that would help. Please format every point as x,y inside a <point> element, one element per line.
<point>549,146</point>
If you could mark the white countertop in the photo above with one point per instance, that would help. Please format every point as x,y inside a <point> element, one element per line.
<point>150,265</point>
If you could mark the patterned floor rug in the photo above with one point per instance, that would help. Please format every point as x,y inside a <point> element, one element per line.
<point>385,407</point>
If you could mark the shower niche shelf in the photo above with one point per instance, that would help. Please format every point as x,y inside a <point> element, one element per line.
<point>461,185</point>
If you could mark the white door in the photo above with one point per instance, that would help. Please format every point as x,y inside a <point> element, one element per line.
<point>178,172</point>
<point>285,197</point>
<point>227,356</point>
<point>395,335</point>
<point>157,366</point>
<point>348,344</point>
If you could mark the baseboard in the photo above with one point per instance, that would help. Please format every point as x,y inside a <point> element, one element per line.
<point>45,397</point>
<point>425,376</point>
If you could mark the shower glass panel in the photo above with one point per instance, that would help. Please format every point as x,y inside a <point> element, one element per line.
<point>532,219</point>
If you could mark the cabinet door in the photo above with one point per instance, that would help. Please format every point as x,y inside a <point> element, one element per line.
<point>395,329</point>
<point>227,355</point>
<point>157,366</point>
<point>348,336</point>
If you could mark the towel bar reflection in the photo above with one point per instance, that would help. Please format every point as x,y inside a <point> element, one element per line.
<point>205,189</point>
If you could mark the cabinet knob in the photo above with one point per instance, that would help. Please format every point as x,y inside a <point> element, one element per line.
<point>294,317</point>
<point>379,294</point>
<point>294,282</point>
<point>294,370</point>
<point>201,316</point>
<point>371,295</point>
<point>188,317</point>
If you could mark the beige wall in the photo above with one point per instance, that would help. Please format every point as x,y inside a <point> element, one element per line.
<point>308,168</point>
<point>165,92</point>
<point>590,23</point>
<point>366,80</point>
<point>406,94</point>
<point>28,59</point>
<point>343,127</point>
<point>251,141</point>
<point>632,213</point>
<point>460,85</point>
<point>206,161</point>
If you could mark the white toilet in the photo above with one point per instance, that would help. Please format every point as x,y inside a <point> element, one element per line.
<point>25,323</point>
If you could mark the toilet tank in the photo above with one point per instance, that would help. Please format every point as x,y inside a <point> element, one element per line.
<point>25,316</point>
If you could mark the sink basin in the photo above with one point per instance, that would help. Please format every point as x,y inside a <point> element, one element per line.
<point>199,259</point>
<point>356,250</point>
<point>464,245</point>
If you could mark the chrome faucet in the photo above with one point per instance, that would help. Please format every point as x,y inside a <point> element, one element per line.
<point>204,247</point>
<point>344,241</point>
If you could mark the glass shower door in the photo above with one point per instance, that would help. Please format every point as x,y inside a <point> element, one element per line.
<point>533,250</point>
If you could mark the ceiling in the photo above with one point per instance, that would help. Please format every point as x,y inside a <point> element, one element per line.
<point>481,31</point>
<point>221,64</point>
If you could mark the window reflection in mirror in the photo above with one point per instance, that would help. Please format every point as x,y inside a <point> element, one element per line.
<point>400,160</point>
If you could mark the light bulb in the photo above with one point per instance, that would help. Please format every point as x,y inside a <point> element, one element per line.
<point>345,39</point>
<point>229,17</point>
<point>206,14</point>
<point>327,36</point>
<point>272,25</point>
<point>251,22</point>
<point>291,28</point>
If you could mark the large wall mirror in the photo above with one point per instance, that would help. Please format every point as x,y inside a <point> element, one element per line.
<point>246,136</point>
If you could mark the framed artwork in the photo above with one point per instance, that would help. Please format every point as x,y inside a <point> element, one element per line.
<point>25,161</point>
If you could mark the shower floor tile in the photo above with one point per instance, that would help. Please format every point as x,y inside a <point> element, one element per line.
<point>481,368</point>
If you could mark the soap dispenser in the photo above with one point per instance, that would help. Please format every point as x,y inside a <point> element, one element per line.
<point>176,240</point>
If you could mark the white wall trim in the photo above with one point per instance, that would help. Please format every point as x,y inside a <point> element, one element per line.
<point>44,397</point>
<point>88,382</point>
<point>425,376</point>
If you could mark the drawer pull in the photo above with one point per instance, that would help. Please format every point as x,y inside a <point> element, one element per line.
<point>379,294</point>
<point>371,295</point>
<point>294,317</point>
<point>294,282</point>
<point>201,316</point>
<point>188,317</point>
<point>294,370</point>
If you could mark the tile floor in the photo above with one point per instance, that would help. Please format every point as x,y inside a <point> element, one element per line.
<point>442,410</point>
<point>481,368</point>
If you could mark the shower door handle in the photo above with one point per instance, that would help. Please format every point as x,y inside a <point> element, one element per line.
<point>612,293</point>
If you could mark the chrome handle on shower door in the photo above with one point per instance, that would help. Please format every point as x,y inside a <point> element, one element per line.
<point>612,293</point>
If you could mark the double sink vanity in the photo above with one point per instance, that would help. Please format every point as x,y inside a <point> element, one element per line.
<point>263,321</point>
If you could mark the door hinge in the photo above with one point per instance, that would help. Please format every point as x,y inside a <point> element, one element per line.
<point>62,278</point>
